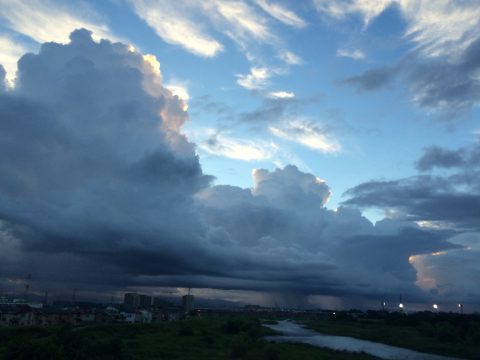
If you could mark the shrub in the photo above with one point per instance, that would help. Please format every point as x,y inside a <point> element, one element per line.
<point>446,332</point>
<point>186,331</point>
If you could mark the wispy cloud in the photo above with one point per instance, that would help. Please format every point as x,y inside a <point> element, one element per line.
<point>174,26</point>
<point>282,14</point>
<point>355,54</point>
<point>290,57</point>
<point>192,25</point>
<point>437,27</point>
<point>219,144</point>
<point>307,134</point>
<point>46,20</point>
<point>241,21</point>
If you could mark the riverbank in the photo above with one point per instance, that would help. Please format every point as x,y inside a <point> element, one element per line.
<point>443,334</point>
<point>293,332</point>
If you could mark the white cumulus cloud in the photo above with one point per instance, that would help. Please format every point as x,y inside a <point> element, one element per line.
<point>281,95</point>
<point>256,79</point>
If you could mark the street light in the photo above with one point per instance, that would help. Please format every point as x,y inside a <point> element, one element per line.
<point>401,306</point>
<point>460,306</point>
<point>435,306</point>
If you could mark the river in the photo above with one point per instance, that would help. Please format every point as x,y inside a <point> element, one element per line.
<point>294,332</point>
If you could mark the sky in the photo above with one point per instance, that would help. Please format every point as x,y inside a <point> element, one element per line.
<point>303,153</point>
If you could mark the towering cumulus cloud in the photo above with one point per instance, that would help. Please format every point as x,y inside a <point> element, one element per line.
<point>92,163</point>
<point>99,190</point>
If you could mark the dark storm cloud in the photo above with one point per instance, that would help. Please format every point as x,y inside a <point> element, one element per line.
<point>452,197</point>
<point>447,204</point>
<point>84,166</point>
<point>286,205</point>
<point>420,198</point>
<point>438,157</point>
<point>442,158</point>
<point>98,187</point>
<point>449,85</point>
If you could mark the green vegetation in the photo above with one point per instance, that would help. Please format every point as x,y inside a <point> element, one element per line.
<point>444,334</point>
<point>210,337</point>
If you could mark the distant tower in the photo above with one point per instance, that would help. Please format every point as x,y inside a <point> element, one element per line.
<point>188,302</point>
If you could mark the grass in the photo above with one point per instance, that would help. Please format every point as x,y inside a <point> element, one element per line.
<point>442,338</point>
<point>210,337</point>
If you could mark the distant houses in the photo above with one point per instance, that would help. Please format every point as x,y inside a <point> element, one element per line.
<point>136,308</point>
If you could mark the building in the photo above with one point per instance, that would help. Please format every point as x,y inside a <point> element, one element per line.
<point>131,301</point>
<point>145,301</point>
<point>187,303</point>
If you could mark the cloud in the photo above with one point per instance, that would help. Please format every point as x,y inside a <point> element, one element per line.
<point>219,144</point>
<point>10,52</point>
<point>181,91</point>
<point>256,79</point>
<point>374,79</point>
<point>306,134</point>
<point>451,274</point>
<point>356,54</point>
<point>341,9</point>
<point>284,187</point>
<point>282,14</point>
<point>290,58</point>
<point>100,189</point>
<point>46,20</point>
<point>451,198</point>
<point>3,83</point>
<point>448,203</point>
<point>441,70</point>
<point>284,216</point>
<point>173,24</point>
<point>435,156</point>
<point>451,87</point>
<point>442,28</point>
<point>281,95</point>
<point>93,146</point>
<point>243,22</point>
